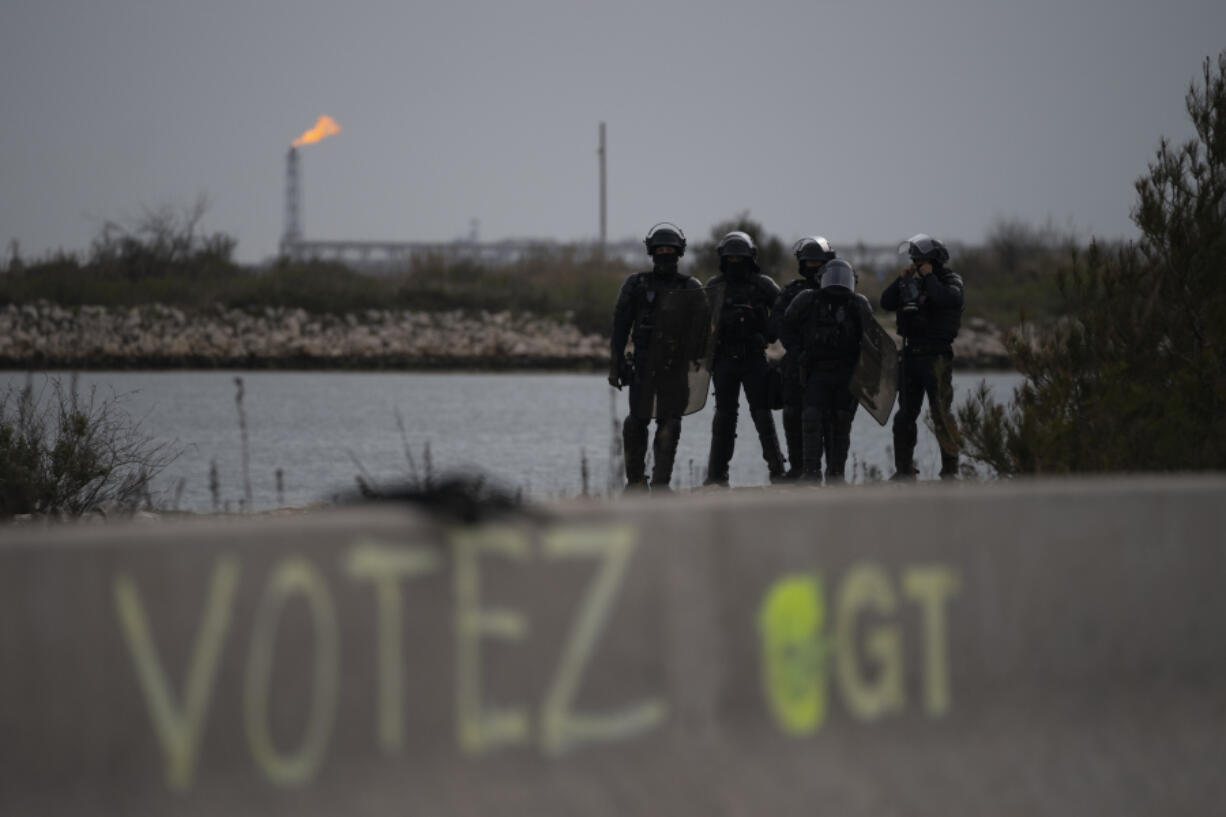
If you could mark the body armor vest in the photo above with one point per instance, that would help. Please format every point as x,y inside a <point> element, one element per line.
<point>650,287</point>
<point>833,330</point>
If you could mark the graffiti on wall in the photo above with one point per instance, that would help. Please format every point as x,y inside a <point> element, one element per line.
<point>811,652</point>
<point>807,648</point>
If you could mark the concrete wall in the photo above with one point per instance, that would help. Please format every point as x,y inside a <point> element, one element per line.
<point>1045,648</point>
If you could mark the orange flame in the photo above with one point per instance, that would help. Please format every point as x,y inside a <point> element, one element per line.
<point>325,126</point>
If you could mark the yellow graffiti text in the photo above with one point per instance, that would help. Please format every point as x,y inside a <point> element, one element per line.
<point>387,566</point>
<point>867,588</point>
<point>290,577</point>
<point>560,727</point>
<point>480,728</point>
<point>179,728</point>
<point>865,646</point>
<point>931,587</point>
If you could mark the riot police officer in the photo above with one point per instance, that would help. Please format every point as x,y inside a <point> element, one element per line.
<point>927,296</point>
<point>826,326</point>
<point>634,319</point>
<point>740,355</point>
<point>811,253</point>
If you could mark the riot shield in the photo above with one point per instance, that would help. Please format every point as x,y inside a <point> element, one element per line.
<point>673,374</point>
<point>875,379</point>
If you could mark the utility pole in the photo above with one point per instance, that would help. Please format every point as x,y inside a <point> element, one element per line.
<point>601,153</point>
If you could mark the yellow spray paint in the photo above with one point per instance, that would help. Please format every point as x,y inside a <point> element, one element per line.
<point>560,727</point>
<point>867,588</point>
<point>931,586</point>
<point>387,566</point>
<point>293,576</point>
<point>482,728</point>
<point>868,671</point>
<point>179,727</point>
<point>795,674</point>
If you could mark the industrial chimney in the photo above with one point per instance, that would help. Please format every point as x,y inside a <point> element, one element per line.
<point>293,215</point>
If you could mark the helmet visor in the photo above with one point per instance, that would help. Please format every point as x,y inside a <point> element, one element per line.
<point>814,249</point>
<point>737,243</point>
<point>839,274</point>
<point>666,234</point>
<point>918,245</point>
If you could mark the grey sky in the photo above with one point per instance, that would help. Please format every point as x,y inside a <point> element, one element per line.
<point>858,120</point>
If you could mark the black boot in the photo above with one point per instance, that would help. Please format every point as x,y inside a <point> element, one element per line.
<point>723,441</point>
<point>634,449</point>
<point>811,430</point>
<point>794,435</point>
<point>949,466</point>
<point>904,447</point>
<point>764,422</point>
<point>837,446</point>
<point>664,451</point>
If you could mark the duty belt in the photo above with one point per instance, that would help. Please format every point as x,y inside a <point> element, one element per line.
<point>928,347</point>
<point>832,364</point>
<point>739,347</point>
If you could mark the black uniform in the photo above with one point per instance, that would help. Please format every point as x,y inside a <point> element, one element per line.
<point>826,326</point>
<point>633,319</point>
<point>929,316</point>
<point>789,368</point>
<point>740,361</point>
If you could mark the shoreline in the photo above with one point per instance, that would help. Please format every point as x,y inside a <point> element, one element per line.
<point>366,366</point>
<point>46,336</point>
<point>433,363</point>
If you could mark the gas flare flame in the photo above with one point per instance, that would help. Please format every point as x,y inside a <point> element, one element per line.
<point>325,126</point>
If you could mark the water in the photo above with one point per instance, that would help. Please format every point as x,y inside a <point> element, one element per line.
<point>530,431</point>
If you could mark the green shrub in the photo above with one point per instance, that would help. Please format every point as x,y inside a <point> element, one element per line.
<point>165,259</point>
<point>61,453</point>
<point>1134,377</point>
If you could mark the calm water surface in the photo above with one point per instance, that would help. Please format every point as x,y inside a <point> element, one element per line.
<point>531,431</point>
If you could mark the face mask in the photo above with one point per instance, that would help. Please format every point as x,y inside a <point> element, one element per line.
<point>665,263</point>
<point>734,269</point>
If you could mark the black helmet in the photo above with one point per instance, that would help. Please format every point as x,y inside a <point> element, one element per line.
<point>665,234</point>
<point>813,248</point>
<point>923,247</point>
<point>838,273</point>
<point>737,243</point>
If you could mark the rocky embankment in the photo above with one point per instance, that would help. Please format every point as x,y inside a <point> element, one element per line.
<point>46,335</point>
<point>159,336</point>
<point>980,345</point>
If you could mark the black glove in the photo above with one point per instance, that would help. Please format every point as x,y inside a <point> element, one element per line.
<point>615,373</point>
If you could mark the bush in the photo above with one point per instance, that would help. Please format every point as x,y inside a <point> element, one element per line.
<point>1134,377</point>
<point>773,256</point>
<point>563,284</point>
<point>164,238</point>
<point>1014,273</point>
<point>164,258</point>
<point>60,453</point>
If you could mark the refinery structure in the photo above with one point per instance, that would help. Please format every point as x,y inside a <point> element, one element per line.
<point>384,256</point>
<point>376,255</point>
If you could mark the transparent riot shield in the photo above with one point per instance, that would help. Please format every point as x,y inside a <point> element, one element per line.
<point>674,375</point>
<point>875,379</point>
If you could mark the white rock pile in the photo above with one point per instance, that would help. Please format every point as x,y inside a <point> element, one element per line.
<point>45,334</point>
<point>48,333</point>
